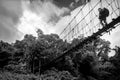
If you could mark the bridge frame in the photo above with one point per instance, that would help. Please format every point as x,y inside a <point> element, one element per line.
<point>87,40</point>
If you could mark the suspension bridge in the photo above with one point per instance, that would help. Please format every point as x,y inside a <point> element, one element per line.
<point>86,24</point>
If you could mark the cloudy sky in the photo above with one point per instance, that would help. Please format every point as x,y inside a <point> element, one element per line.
<point>20,17</point>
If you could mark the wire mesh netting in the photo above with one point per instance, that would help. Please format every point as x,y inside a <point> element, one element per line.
<point>86,21</point>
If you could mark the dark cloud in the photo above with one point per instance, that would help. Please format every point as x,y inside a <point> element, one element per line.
<point>10,12</point>
<point>54,19</point>
<point>9,34</point>
<point>63,3</point>
<point>71,4</point>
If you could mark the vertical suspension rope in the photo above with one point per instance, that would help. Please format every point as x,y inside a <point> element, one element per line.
<point>86,26</point>
<point>89,26</point>
<point>76,29</point>
<point>91,21</point>
<point>94,17</point>
<point>111,6</point>
<point>111,13</point>
<point>101,8</point>
<point>101,4</point>
<point>70,30</point>
<point>72,20</point>
<point>82,19</point>
<point>78,32</point>
<point>118,7</point>
<point>117,4</point>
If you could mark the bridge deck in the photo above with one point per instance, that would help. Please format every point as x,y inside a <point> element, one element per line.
<point>94,36</point>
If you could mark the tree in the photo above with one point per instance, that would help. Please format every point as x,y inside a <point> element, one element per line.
<point>6,52</point>
<point>40,50</point>
<point>5,57</point>
<point>115,60</point>
<point>88,57</point>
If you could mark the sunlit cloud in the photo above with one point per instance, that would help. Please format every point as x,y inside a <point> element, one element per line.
<point>31,21</point>
<point>40,15</point>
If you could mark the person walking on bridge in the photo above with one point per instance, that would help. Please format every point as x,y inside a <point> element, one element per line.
<point>103,14</point>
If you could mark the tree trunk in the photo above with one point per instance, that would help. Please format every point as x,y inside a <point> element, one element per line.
<point>39,66</point>
<point>33,66</point>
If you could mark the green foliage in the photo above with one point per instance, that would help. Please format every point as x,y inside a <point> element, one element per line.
<point>90,62</point>
<point>6,52</point>
<point>38,51</point>
<point>16,76</point>
<point>5,57</point>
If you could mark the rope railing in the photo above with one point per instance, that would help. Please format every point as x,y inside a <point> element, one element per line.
<point>98,32</point>
<point>118,6</point>
<point>72,32</point>
<point>111,6</point>
<point>81,20</point>
<point>82,43</point>
<point>72,19</point>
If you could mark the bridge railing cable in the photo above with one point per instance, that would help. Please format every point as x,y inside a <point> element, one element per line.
<point>98,32</point>
<point>72,19</point>
<point>81,20</point>
<point>85,28</point>
<point>80,45</point>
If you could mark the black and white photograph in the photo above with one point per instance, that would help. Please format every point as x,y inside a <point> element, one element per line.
<point>59,39</point>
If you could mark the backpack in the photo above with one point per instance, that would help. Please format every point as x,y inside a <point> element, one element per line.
<point>106,12</point>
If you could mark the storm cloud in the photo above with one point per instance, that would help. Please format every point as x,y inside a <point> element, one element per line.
<point>71,4</point>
